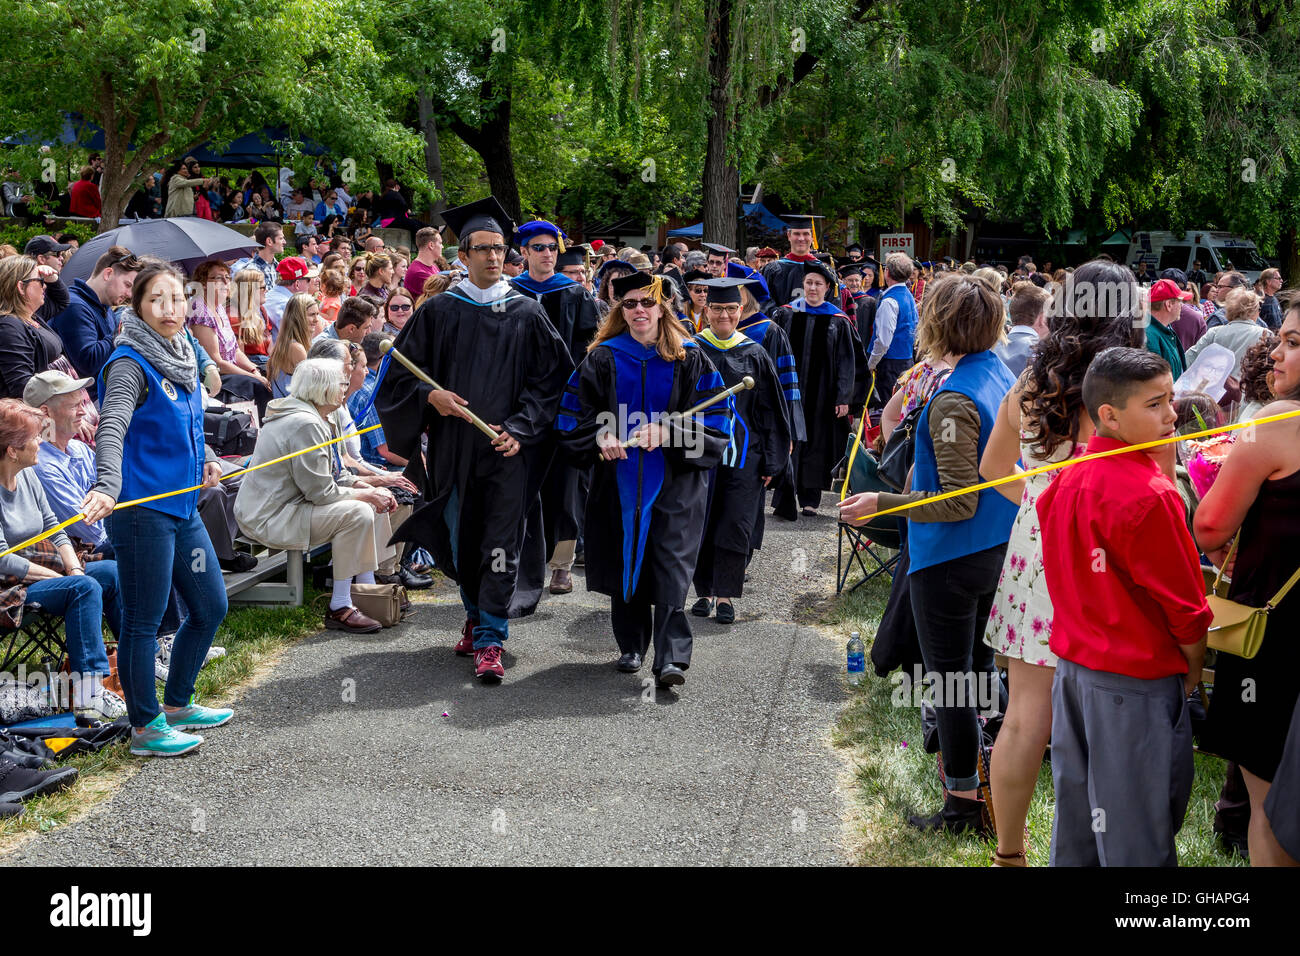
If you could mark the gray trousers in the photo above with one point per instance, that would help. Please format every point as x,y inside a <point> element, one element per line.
<point>1121,767</point>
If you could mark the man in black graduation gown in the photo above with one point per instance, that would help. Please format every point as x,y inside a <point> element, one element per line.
<point>495,352</point>
<point>824,349</point>
<point>784,277</point>
<point>572,310</point>
<point>718,257</point>
<point>758,449</point>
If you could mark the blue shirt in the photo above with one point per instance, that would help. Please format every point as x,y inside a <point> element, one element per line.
<point>87,328</point>
<point>370,441</point>
<point>67,477</point>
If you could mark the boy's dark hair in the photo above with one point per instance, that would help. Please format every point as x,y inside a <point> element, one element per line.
<point>1115,373</point>
<point>355,310</point>
<point>370,345</point>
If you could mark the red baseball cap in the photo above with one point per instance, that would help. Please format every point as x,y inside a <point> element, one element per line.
<point>294,267</point>
<point>597,245</point>
<point>1164,289</point>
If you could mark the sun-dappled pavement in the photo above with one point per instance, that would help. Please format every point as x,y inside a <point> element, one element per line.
<point>383,749</point>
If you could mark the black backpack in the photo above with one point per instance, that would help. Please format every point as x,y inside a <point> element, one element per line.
<point>229,433</point>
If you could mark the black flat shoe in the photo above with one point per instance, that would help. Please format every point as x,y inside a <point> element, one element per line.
<point>959,815</point>
<point>629,663</point>
<point>702,608</point>
<point>726,613</point>
<point>412,581</point>
<point>809,512</point>
<point>670,676</point>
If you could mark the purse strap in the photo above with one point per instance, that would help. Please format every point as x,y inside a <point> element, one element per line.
<point>1278,598</point>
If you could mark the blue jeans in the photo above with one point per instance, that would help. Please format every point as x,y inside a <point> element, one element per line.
<point>78,598</point>
<point>155,552</point>
<point>489,630</point>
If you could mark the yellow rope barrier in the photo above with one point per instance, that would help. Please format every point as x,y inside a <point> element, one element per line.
<point>1056,466</point>
<point>184,491</point>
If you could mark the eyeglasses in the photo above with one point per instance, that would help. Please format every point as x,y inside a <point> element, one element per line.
<point>400,308</point>
<point>729,310</point>
<point>544,246</point>
<point>646,304</point>
<point>497,249</point>
<point>32,279</point>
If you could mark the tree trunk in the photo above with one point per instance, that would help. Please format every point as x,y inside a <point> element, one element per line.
<point>1288,254</point>
<point>432,153</point>
<point>491,141</point>
<point>721,177</point>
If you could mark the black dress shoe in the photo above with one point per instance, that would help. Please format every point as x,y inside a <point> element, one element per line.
<point>670,676</point>
<point>726,614</point>
<point>702,608</point>
<point>387,578</point>
<point>629,663</point>
<point>412,581</point>
<point>959,815</point>
<point>239,563</point>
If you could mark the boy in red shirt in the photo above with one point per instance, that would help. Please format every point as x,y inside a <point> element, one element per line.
<point>1129,625</point>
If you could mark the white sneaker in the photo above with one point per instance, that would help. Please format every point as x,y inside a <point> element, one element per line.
<point>162,665</point>
<point>105,706</point>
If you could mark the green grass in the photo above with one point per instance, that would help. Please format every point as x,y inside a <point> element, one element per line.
<point>892,780</point>
<point>251,636</point>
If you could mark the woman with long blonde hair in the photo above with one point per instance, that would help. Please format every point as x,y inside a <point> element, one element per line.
<point>641,372</point>
<point>301,324</point>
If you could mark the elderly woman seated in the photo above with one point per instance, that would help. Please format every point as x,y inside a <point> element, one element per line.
<point>298,504</point>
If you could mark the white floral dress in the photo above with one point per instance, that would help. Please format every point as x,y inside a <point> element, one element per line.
<point>1020,622</point>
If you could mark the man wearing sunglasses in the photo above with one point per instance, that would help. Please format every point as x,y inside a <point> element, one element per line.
<point>572,310</point>
<point>495,353</point>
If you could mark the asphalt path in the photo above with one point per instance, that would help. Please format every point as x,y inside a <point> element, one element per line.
<point>383,749</point>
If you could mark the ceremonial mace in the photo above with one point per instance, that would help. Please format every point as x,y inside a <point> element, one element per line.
<point>745,383</point>
<point>386,346</point>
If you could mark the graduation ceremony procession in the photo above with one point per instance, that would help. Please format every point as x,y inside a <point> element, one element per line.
<point>781,433</point>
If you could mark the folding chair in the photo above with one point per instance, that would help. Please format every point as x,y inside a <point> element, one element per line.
<point>863,540</point>
<point>41,632</point>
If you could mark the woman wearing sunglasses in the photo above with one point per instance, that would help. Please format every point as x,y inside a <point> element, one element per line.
<point>647,501</point>
<point>397,310</point>
<point>27,344</point>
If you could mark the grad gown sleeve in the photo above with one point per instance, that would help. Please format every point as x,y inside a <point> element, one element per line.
<point>586,395</point>
<point>845,366</point>
<point>698,441</point>
<point>777,344</point>
<point>401,399</point>
<point>771,422</point>
<point>547,371</point>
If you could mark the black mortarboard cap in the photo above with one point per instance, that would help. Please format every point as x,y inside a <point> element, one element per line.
<point>716,249</point>
<point>724,291</point>
<point>817,268</point>
<point>851,246</point>
<point>696,276</point>
<point>572,256</point>
<point>800,220</point>
<point>487,215</point>
<point>851,268</point>
<point>625,284</point>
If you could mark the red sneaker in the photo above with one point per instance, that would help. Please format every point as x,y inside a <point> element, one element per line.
<point>465,646</point>
<point>487,665</point>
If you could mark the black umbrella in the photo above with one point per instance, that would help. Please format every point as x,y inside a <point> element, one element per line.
<point>185,241</point>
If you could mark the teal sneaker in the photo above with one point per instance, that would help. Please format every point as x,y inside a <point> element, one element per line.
<point>160,739</point>
<point>196,717</point>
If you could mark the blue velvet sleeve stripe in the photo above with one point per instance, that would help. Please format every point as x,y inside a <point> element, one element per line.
<point>722,422</point>
<point>785,361</point>
<point>569,402</point>
<point>792,394</point>
<point>709,382</point>
<point>789,378</point>
<point>565,423</point>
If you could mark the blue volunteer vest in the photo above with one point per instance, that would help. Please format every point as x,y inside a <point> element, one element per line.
<point>164,442</point>
<point>900,346</point>
<point>984,379</point>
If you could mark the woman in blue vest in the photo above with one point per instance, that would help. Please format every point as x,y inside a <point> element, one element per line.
<point>956,545</point>
<point>150,441</point>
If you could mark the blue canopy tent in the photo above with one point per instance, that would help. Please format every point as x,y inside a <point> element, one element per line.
<point>757,210</point>
<point>248,151</point>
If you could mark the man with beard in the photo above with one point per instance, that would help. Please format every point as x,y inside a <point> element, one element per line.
<point>87,326</point>
<point>785,276</point>
<point>495,352</point>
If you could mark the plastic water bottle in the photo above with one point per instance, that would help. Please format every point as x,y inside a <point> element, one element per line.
<point>857,666</point>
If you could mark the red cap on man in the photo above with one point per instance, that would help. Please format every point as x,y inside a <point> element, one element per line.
<point>294,267</point>
<point>1163,289</point>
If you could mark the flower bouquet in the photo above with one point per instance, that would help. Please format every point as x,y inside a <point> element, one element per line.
<point>1206,457</point>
